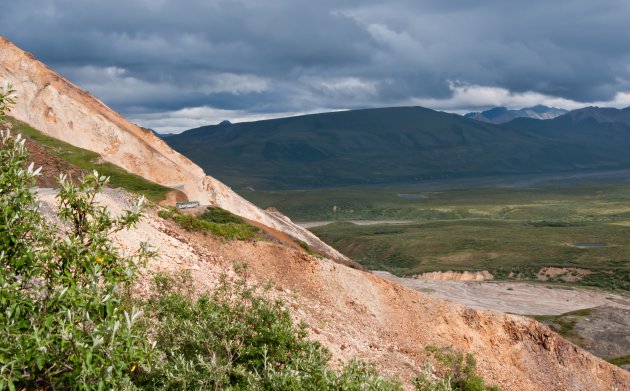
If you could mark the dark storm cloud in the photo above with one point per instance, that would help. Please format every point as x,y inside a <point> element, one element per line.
<point>257,58</point>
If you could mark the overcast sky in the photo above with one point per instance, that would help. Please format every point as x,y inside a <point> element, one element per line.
<point>177,64</point>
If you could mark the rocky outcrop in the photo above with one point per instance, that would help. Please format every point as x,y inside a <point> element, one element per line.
<point>483,275</point>
<point>56,107</point>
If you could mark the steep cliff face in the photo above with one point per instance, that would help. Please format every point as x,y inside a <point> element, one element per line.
<point>53,105</point>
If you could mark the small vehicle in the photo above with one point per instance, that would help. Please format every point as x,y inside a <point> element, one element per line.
<point>187,204</point>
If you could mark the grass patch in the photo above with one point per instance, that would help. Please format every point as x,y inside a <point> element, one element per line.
<point>564,324</point>
<point>88,160</point>
<point>619,361</point>
<point>308,248</point>
<point>215,221</point>
<point>220,216</point>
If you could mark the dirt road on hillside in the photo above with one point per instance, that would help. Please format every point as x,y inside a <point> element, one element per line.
<point>312,224</point>
<point>513,297</point>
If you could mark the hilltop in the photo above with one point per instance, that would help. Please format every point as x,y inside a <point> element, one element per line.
<point>400,145</point>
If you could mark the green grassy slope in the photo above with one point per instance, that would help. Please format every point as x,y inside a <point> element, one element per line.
<point>392,145</point>
<point>88,160</point>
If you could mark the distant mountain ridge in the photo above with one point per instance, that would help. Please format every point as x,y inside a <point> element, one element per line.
<point>403,144</point>
<point>601,115</point>
<point>501,115</point>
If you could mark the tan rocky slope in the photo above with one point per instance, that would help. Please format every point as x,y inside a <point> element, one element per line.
<point>358,315</point>
<point>56,107</point>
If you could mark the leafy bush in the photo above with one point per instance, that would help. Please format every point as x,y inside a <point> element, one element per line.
<point>214,220</point>
<point>238,338</point>
<point>458,373</point>
<point>63,324</point>
<point>220,216</point>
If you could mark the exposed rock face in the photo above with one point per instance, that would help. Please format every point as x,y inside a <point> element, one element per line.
<point>456,276</point>
<point>59,109</point>
<point>500,115</point>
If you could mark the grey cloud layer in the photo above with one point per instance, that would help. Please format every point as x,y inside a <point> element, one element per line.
<point>265,57</point>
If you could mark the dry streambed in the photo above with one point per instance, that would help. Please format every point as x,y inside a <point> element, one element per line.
<point>601,328</point>
<point>513,297</point>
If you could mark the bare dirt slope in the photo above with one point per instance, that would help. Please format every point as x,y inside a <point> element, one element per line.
<point>56,107</point>
<point>359,315</point>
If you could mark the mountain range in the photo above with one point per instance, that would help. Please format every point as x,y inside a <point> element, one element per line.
<point>500,115</point>
<point>404,145</point>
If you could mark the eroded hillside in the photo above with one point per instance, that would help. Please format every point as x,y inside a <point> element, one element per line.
<point>358,315</point>
<point>56,107</point>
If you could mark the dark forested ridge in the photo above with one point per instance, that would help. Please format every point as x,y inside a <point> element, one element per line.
<point>403,144</point>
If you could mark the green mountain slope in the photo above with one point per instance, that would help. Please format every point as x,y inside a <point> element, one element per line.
<point>402,144</point>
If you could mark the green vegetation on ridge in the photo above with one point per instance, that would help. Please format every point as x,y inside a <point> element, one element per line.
<point>88,160</point>
<point>216,221</point>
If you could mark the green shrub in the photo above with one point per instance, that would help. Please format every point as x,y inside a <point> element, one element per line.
<point>238,338</point>
<point>166,213</point>
<point>214,220</point>
<point>458,373</point>
<point>220,216</point>
<point>64,325</point>
<point>616,280</point>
